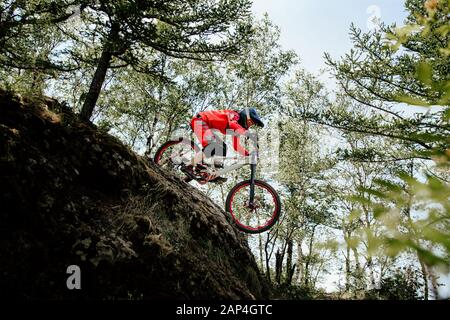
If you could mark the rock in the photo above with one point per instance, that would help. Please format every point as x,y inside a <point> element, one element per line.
<point>128,225</point>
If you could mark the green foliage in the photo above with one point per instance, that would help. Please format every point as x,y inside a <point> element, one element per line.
<point>395,208</point>
<point>431,197</point>
<point>110,35</point>
<point>29,37</point>
<point>403,284</point>
<point>254,78</point>
<point>298,292</point>
<point>351,166</point>
<point>428,29</point>
<point>429,230</point>
<point>391,66</point>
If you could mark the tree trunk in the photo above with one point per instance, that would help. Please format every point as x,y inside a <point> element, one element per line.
<point>99,76</point>
<point>425,279</point>
<point>371,273</point>
<point>347,270</point>
<point>37,85</point>
<point>347,235</point>
<point>150,138</point>
<point>300,259</point>
<point>261,263</point>
<point>359,276</point>
<point>289,267</point>
<point>310,255</point>
<point>434,283</point>
<point>267,258</point>
<point>278,266</point>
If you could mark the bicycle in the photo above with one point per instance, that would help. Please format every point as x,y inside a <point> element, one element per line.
<point>254,205</point>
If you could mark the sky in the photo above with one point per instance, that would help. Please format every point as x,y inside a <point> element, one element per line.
<point>311,27</point>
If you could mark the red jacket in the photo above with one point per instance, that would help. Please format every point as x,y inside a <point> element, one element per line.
<point>223,120</point>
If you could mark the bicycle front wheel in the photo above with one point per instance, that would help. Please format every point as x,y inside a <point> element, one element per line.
<point>259,216</point>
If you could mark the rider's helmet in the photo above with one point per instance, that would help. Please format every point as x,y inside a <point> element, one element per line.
<point>249,117</point>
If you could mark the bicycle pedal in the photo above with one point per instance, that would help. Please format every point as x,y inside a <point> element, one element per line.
<point>188,171</point>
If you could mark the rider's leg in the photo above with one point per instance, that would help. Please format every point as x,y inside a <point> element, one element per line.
<point>204,135</point>
<point>198,158</point>
<point>218,152</point>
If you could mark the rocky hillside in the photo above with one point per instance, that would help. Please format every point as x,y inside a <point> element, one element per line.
<point>72,195</point>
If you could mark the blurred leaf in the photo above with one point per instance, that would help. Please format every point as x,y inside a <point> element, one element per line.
<point>353,242</point>
<point>373,192</point>
<point>354,215</point>
<point>378,211</point>
<point>424,72</point>
<point>411,100</point>
<point>394,246</point>
<point>360,199</point>
<point>429,257</point>
<point>437,237</point>
<point>388,185</point>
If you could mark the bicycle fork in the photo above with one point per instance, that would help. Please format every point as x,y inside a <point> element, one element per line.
<point>252,185</point>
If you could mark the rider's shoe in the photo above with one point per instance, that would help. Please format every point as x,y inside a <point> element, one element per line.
<point>192,171</point>
<point>218,180</point>
<point>218,164</point>
<point>189,170</point>
<point>200,167</point>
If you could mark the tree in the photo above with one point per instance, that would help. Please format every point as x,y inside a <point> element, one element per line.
<point>400,284</point>
<point>26,24</point>
<point>307,202</point>
<point>377,76</point>
<point>255,78</point>
<point>201,30</point>
<point>146,109</point>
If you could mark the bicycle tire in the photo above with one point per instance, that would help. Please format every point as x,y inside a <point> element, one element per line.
<point>274,217</point>
<point>165,146</point>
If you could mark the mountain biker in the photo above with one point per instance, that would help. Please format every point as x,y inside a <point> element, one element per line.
<point>205,126</point>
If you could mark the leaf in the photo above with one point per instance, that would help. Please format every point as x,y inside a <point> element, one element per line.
<point>374,192</point>
<point>412,101</point>
<point>406,30</point>
<point>378,211</point>
<point>354,215</point>
<point>443,30</point>
<point>424,72</point>
<point>406,177</point>
<point>445,51</point>
<point>438,237</point>
<point>360,199</point>
<point>394,246</point>
<point>353,242</point>
<point>429,257</point>
<point>446,114</point>
<point>388,185</point>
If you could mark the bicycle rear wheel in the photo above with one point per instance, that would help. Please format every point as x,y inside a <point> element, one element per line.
<point>174,154</point>
<point>259,217</point>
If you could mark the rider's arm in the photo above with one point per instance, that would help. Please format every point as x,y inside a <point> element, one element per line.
<point>238,130</point>
<point>237,146</point>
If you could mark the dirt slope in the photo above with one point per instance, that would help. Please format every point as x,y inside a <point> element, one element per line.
<point>72,195</point>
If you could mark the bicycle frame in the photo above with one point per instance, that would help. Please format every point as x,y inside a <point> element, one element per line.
<point>235,166</point>
<point>180,159</point>
<point>251,160</point>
